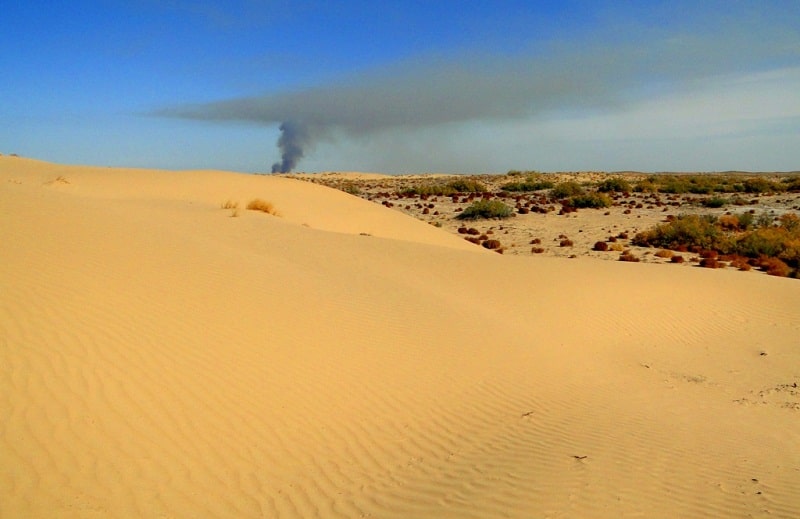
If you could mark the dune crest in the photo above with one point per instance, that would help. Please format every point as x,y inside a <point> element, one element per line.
<point>159,357</point>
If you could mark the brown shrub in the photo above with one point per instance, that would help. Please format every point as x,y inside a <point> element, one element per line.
<point>665,253</point>
<point>536,241</point>
<point>628,256</point>
<point>775,267</point>
<point>740,263</point>
<point>537,250</point>
<point>473,239</point>
<point>565,243</point>
<point>491,244</point>
<point>600,246</point>
<point>473,231</point>
<point>677,259</point>
<point>729,222</point>
<point>258,204</point>
<point>709,254</point>
<point>710,263</point>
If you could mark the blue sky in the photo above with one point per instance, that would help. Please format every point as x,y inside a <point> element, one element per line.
<point>415,86</point>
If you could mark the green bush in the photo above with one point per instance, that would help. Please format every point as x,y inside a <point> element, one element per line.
<point>590,200</point>
<point>715,202</point>
<point>528,185</point>
<point>770,244</point>
<point>762,185</point>
<point>690,230</point>
<point>486,209</point>
<point>745,220</point>
<point>566,189</point>
<point>618,185</point>
<point>791,184</point>
<point>466,185</point>
<point>765,241</point>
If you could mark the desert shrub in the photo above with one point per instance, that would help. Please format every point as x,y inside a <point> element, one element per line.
<point>745,220</point>
<point>566,189</point>
<point>648,185</point>
<point>618,185</point>
<point>710,263</point>
<point>764,219</point>
<point>600,246</point>
<point>465,185</point>
<point>491,244</point>
<point>528,185</point>
<point>790,222</point>
<point>486,209</point>
<point>791,184</point>
<point>729,222</point>
<point>229,204</point>
<point>684,230</point>
<point>715,202</point>
<point>351,188</point>
<point>628,256</point>
<point>537,250</point>
<point>761,185</point>
<point>665,253</point>
<point>258,204</point>
<point>775,267</point>
<point>590,200</point>
<point>565,243</point>
<point>677,259</point>
<point>740,263</point>
<point>765,241</point>
<point>672,185</point>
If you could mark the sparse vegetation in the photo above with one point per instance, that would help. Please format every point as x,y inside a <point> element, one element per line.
<point>258,204</point>
<point>710,236</point>
<point>590,200</point>
<point>566,189</point>
<point>531,184</point>
<point>715,202</point>
<point>486,209</point>
<point>618,185</point>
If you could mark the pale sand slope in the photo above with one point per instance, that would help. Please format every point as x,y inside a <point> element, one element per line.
<point>159,358</point>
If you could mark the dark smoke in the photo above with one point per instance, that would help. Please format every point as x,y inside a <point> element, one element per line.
<point>442,91</point>
<point>294,138</point>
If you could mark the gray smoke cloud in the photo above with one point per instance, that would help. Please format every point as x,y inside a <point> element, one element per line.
<point>425,93</point>
<point>294,138</point>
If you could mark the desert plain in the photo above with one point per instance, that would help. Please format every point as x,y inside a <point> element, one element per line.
<point>167,352</point>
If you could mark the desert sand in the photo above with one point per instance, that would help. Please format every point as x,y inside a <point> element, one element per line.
<point>163,357</point>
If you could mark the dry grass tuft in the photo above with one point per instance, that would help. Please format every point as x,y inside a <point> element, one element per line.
<point>229,204</point>
<point>258,204</point>
<point>665,253</point>
<point>628,256</point>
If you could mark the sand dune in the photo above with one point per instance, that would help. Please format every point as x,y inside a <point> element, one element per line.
<point>160,358</point>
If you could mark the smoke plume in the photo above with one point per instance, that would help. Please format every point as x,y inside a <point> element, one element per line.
<point>294,138</point>
<point>434,93</point>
